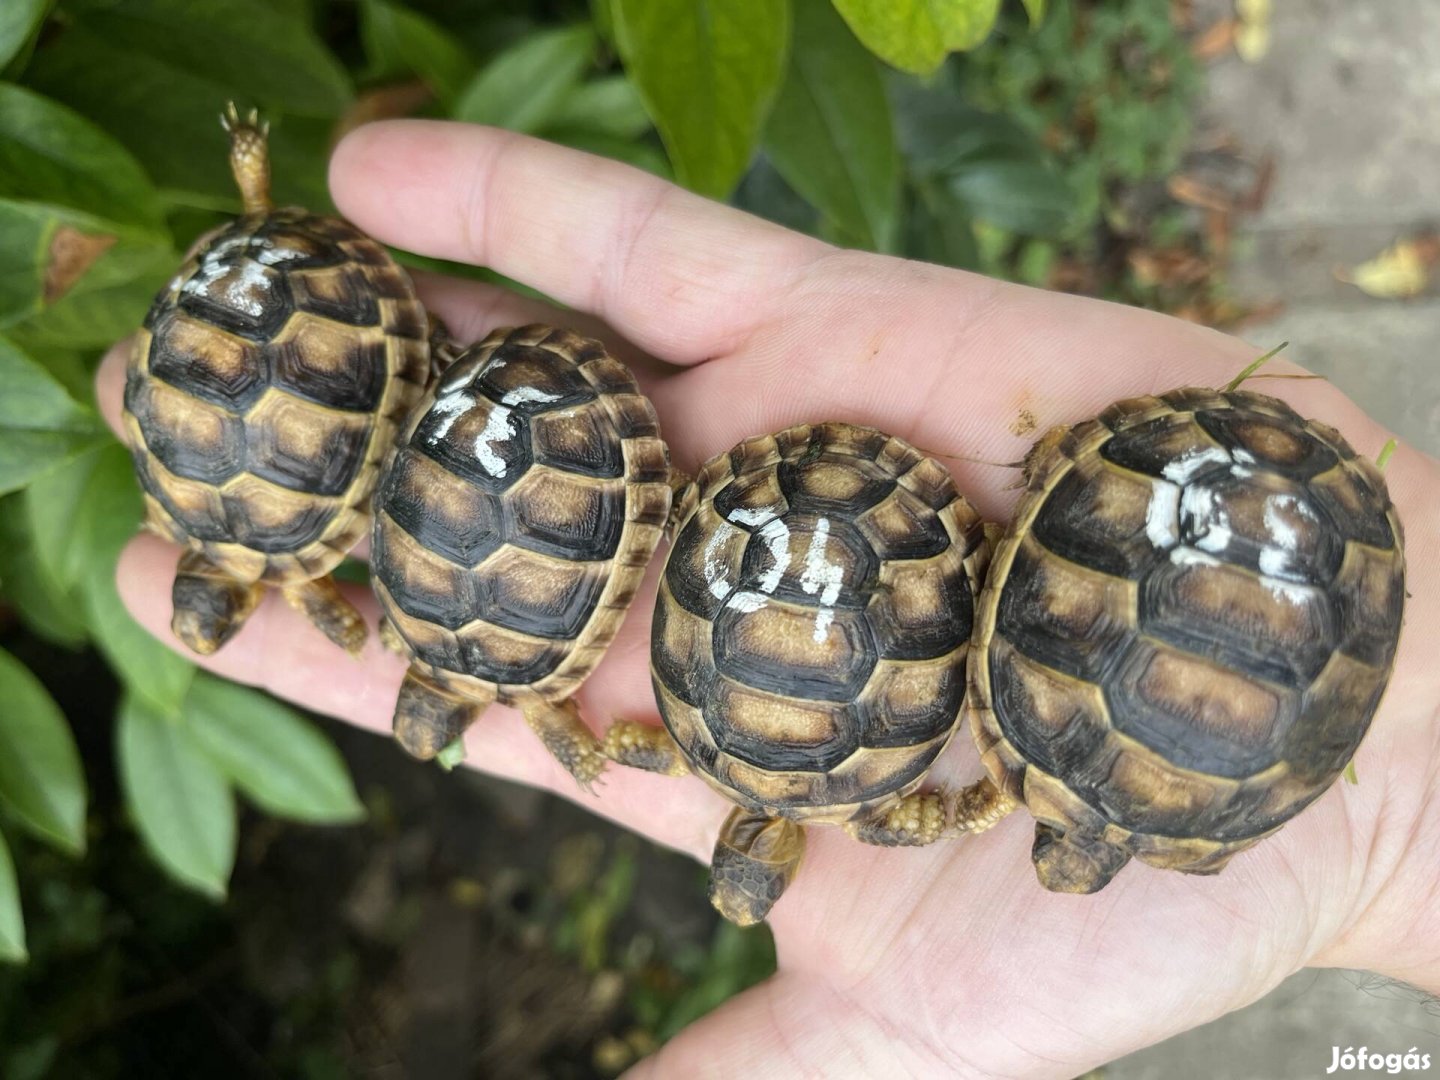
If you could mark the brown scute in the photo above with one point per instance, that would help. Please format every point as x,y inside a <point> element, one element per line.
<point>518,513</point>
<point>810,637</point>
<point>1246,662</point>
<point>257,428</point>
<point>340,293</point>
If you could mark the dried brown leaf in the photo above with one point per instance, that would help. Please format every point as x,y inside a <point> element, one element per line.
<point>1217,40</point>
<point>1400,271</point>
<point>71,253</point>
<point>1193,192</point>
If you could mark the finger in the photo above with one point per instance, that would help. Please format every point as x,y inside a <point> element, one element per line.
<point>279,651</point>
<point>682,277</point>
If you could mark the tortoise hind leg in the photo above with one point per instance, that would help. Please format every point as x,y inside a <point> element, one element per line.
<point>210,605</point>
<point>567,738</point>
<point>321,601</point>
<point>1070,862</point>
<point>914,821</point>
<point>756,857</point>
<point>643,746</point>
<point>429,719</point>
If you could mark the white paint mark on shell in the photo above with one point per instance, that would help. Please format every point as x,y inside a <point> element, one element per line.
<point>1189,465</point>
<point>1278,558</point>
<point>1162,516</point>
<point>776,535</point>
<point>743,515</point>
<point>822,576</point>
<point>526,394</point>
<point>1188,556</point>
<point>452,406</point>
<point>1209,523</point>
<point>274,254</point>
<point>498,429</point>
<point>716,578</point>
<point>746,601</point>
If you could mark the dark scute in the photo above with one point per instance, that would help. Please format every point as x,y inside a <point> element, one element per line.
<point>840,681</point>
<point>917,721</point>
<point>504,603</point>
<point>304,528</point>
<point>1256,652</point>
<point>1370,525</point>
<point>210,464</point>
<point>753,493</point>
<point>329,474</point>
<point>207,375</point>
<point>404,498</point>
<point>1249,431</point>
<point>689,674</point>
<point>199,524</point>
<point>1076,752</point>
<point>457,453</point>
<point>1149,448</point>
<point>526,372</point>
<point>1069,525</point>
<point>1234,504</point>
<point>585,442</point>
<point>923,536</point>
<point>1373,631</point>
<point>451,604</point>
<point>775,754</point>
<point>480,663</point>
<point>690,592</point>
<point>1179,738</point>
<point>352,379</point>
<point>219,302</point>
<point>899,641</point>
<point>844,547</point>
<point>344,294</point>
<point>298,233</point>
<point>589,532</point>
<point>798,482</point>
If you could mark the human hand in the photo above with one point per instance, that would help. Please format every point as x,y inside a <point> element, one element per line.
<point>948,960</point>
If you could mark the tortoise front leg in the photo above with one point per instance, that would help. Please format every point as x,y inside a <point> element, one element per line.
<point>756,857</point>
<point>567,737</point>
<point>321,601</point>
<point>644,746</point>
<point>429,719</point>
<point>920,819</point>
<point>210,605</point>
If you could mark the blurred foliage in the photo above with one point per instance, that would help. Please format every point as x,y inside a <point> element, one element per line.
<point>1000,137</point>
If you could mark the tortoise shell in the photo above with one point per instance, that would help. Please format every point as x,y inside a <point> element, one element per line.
<point>1188,625</point>
<point>268,379</point>
<point>515,521</point>
<point>809,643</point>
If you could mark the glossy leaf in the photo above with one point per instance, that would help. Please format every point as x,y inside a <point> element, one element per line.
<point>1021,196</point>
<point>19,20</point>
<point>1036,10</point>
<point>916,35</point>
<point>830,133</point>
<point>181,804</point>
<point>280,761</point>
<point>708,71</point>
<point>523,87</point>
<point>400,40</point>
<point>12,921</point>
<point>27,586</point>
<point>59,519</point>
<point>40,775</point>
<point>52,154</point>
<point>608,106</point>
<point>150,669</point>
<point>266,54</point>
<point>41,426</point>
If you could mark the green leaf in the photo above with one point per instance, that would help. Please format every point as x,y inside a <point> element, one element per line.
<point>180,802</point>
<point>52,154</point>
<point>1036,10</point>
<point>27,586</point>
<point>523,87</point>
<point>915,35</point>
<point>41,426</point>
<point>637,152</point>
<point>40,775</point>
<point>708,71</point>
<point>608,106</point>
<point>830,134</point>
<point>1021,196</point>
<point>280,761</point>
<point>12,920</point>
<point>19,20</point>
<point>940,229</point>
<point>59,518</point>
<point>398,40</point>
<point>267,55</point>
<point>148,668</point>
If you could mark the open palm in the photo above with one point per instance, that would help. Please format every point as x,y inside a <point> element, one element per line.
<point>949,960</point>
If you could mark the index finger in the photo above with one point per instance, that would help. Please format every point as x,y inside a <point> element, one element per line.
<point>682,277</point>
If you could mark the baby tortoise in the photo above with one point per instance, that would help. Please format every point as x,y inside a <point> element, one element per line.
<point>267,381</point>
<point>512,529</point>
<point>1185,631</point>
<point>809,643</point>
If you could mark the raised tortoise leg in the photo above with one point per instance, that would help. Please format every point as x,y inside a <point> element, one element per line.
<point>914,821</point>
<point>980,806</point>
<point>322,602</point>
<point>210,605</point>
<point>1070,862</point>
<point>644,746</point>
<point>429,718</point>
<point>568,738</point>
<point>756,857</point>
<point>390,638</point>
